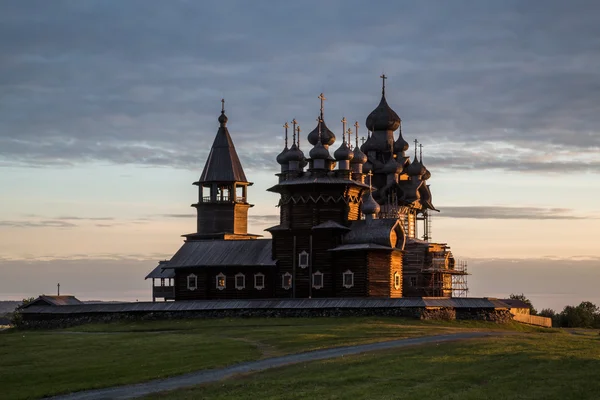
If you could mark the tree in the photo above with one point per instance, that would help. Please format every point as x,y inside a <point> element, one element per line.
<point>525,300</point>
<point>585,315</point>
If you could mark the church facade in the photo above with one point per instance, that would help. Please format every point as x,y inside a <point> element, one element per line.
<point>348,223</point>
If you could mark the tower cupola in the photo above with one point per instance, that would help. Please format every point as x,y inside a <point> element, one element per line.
<point>222,208</point>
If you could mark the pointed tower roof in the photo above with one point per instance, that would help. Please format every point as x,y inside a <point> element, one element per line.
<point>223,163</point>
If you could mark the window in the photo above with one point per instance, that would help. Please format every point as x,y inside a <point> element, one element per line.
<point>221,282</point>
<point>259,281</point>
<point>397,280</point>
<point>192,282</point>
<point>286,281</point>
<point>348,279</point>
<point>317,280</point>
<point>162,281</point>
<point>303,259</point>
<point>240,281</point>
<point>413,281</point>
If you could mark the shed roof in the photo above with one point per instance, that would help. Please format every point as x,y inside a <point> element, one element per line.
<point>161,272</point>
<point>197,305</point>
<point>513,303</point>
<point>49,300</point>
<point>223,253</point>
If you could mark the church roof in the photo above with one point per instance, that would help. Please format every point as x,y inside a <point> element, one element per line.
<point>223,163</point>
<point>311,179</point>
<point>382,232</point>
<point>329,224</point>
<point>223,253</point>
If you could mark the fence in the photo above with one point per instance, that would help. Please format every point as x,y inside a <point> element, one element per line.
<point>533,320</point>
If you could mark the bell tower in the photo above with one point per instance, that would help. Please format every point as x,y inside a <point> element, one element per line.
<point>222,207</point>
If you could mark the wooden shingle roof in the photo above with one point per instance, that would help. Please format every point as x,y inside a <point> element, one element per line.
<point>223,163</point>
<point>223,253</point>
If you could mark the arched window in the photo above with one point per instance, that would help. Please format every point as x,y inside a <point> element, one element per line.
<point>348,279</point>
<point>221,281</point>
<point>259,281</point>
<point>397,280</point>
<point>317,280</point>
<point>240,281</point>
<point>286,281</point>
<point>192,282</point>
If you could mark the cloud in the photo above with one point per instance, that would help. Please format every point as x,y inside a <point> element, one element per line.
<point>37,224</point>
<point>178,215</point>
<point>263,219</point>
<point>140,82</point>
<point>500,212</point>
<point>65,221</point>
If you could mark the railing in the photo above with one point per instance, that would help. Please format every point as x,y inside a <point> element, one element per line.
<point>223,199</point>
<point>167,292</point>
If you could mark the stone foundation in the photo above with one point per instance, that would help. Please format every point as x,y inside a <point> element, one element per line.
<point>62,320</point>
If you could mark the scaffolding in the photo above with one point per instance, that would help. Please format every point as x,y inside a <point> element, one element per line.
<point>444,277</point>
<point>459,281</point>
<point>425,217</point>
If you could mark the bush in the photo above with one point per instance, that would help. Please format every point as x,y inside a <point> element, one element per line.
<point>17,317</point>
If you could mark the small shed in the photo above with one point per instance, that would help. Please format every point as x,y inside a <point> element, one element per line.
<point>165,288</point>
<point>517,306</point>
<point>47,300</point>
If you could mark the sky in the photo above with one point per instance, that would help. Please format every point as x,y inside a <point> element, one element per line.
<point>108,109</point>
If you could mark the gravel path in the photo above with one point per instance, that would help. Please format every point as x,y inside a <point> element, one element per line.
<point>206,376</point>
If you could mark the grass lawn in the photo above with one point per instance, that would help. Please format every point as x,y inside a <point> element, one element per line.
<point>533,366</point>
<point>41,363</point>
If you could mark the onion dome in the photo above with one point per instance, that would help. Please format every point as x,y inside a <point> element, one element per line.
<point>343,153</point>
<point>294,154</point>
<point>383,118</point>
<point>282,157</point>
<point>369,205</point>
<point>359,156</point>
<point>327,136</point>
<point>369,145</point>
<point>319,152</point>
<point>367,167</point>
<point>426,175</point>
<point>223,118</point>
<point>400,144</point>
<point>415,168</point>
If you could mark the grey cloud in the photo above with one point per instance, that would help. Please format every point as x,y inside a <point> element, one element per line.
<point>499,212</point>
<point>74,218</point>
<point>146,90</point>
<point>38,224</point>
<point>178,215</point>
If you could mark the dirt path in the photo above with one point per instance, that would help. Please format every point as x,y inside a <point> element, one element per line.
<point>207,376</point>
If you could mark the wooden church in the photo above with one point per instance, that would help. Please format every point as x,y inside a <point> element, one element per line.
<point>348,223</point>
